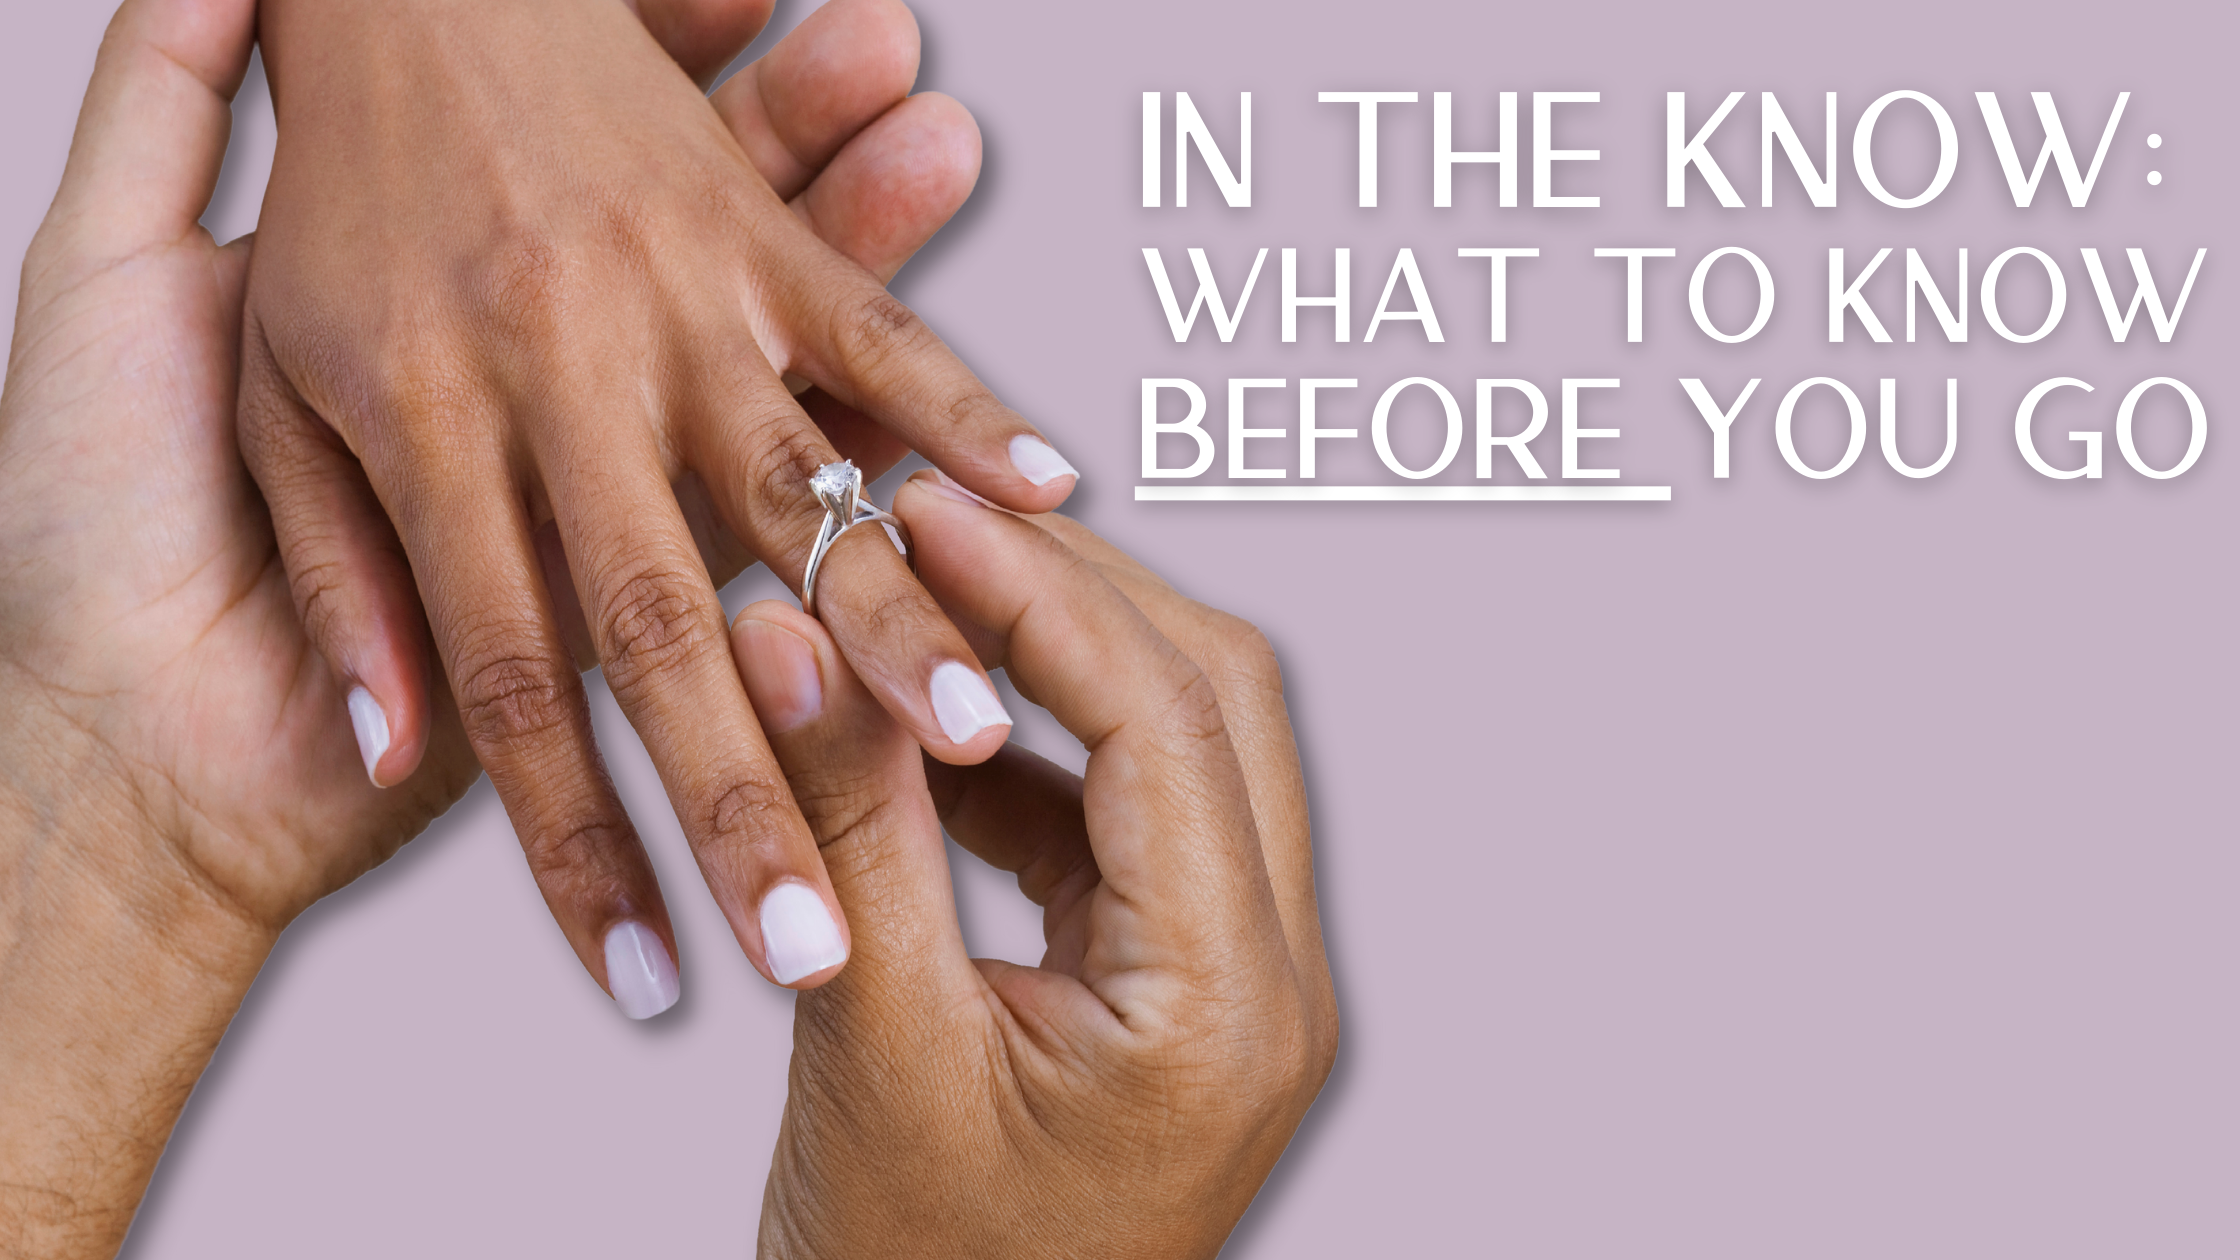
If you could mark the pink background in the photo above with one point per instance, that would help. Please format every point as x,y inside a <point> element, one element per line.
<point>1831,869</point>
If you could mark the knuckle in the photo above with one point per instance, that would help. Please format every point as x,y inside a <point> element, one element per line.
<point>1271,1066</point>
<point>876,335</point>
<point>877,329</point>
<point>970,406</point>
<point>263,418</point>
<point>744,806</point>
<point>1310,1047</point>
<point>542,262</point>
<point>1242,647</point>
<point>1283,1060</point>
<point>1323,1030</point>
<point>507,696</point>
<point>626,219</point>
<point>653,621</point>
<point>777,469</point>
<point>787,457</point>
<point>1056,872</point>
<point>426,404</point>
<point>530,272</point>
<point>575,855</point>
<point>1244,658</point>
<point>839,805</point>
<point>896,612</point>
<point>289,450</point>
<point>1193,711</point>
<point>538,281</point>
<point>319,586</point>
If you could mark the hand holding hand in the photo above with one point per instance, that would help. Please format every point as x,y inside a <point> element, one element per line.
<point>513,270</point>
<point>1128,1097</point>
<point>177,777</point>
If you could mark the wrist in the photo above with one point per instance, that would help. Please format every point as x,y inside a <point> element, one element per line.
<point>118,975</point>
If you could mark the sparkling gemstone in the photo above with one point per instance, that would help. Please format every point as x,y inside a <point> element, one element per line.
<point>834,480</point>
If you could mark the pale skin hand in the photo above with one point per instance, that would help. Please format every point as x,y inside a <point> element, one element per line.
<point>519,292</point>
<point>175,782</point>
<point>1129,1096</point>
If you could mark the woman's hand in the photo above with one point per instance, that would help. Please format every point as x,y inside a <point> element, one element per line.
<point>1128,1097</point>
<point>513,270</point>
<point>152,653</point>
<point>178,777</point>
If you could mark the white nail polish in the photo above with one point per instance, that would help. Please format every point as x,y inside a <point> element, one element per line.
<point>372,727</point>
<point>964,703</point>
<point>1037,462</point>
<point>639,970</point>
<point>799,937</point>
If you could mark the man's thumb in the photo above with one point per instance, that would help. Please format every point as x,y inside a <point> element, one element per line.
<point>153,129</point>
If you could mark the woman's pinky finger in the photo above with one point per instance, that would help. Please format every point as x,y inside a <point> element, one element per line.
<point>353,587</point>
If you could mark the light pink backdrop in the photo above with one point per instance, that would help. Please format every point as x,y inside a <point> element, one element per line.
<point>1831,869</point>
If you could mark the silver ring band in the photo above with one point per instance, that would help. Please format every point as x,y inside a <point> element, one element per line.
<point>839,488</point>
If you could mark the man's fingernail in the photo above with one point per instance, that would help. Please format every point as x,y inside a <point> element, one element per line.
<point>782,679</point>
<point>640,972</point>
<point>1037,462</point>
<point>799,937</point>
<point>942,483</point>
<point>964,703</point>
<point>372,727</point>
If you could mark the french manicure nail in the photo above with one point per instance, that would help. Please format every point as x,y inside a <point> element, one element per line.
<point>372,727</point>
<point>640,972</point>
<point>1037,462</point>
<point>964,703</point>
<point>799,937</point>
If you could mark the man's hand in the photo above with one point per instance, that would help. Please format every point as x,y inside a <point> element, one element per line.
<point>1128,1097</point>
<point>514,271</point>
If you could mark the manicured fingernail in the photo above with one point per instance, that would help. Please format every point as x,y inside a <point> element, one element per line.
<point>1037,462</point>
<point>640,972</point>
<point>782,676</point>
<point>942,483</point>
<point>372,727</point>
<point>964,703</point>
<point>799,937</point>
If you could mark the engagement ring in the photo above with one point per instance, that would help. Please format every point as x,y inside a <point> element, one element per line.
<point>839,487</point>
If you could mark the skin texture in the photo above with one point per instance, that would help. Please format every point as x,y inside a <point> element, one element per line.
<point>174,786</point>
<point>1128,1097</point>
<point>522,294</point>
<point>177,780</point>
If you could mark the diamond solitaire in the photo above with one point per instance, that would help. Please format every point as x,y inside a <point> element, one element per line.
<point>839,489</point>
<point>835,480</point>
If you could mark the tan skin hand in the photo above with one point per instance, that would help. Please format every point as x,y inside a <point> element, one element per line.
<point>521,293</point>
<point>176,779</point>
<point>125,334</point>
<point>189,622</point>
<point>174,788</point>
<point>1128,1097</point>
